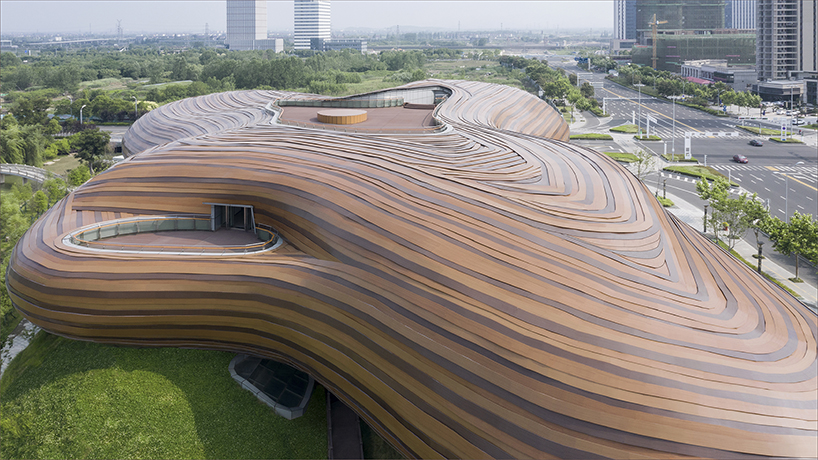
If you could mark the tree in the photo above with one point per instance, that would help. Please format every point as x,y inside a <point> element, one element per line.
<point>91,145</point>
<point>31,110</point>
<point>644,163</point>
<point>56,189</point>
<point>798,237</point>
<point>737,214</point>
<point>78,176</point>
<point>39,202</point>
<point>587,90</point>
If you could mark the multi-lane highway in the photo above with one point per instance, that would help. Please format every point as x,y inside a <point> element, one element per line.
<point>784,175</point>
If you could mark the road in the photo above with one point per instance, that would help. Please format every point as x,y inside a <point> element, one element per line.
<point>773,171</point>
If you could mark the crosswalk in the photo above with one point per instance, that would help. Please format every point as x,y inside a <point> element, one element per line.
<point>806,173</point>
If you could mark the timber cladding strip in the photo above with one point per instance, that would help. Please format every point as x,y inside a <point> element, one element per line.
<point>486,291</point>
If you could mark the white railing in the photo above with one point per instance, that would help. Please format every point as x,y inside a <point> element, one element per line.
<point>99,236</point>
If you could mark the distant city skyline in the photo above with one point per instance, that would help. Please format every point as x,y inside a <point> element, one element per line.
<point>160,16</point>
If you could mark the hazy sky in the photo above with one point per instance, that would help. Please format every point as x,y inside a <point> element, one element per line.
<point>191,15</point>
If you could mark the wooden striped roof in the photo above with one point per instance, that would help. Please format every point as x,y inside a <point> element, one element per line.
<point>489,290</point>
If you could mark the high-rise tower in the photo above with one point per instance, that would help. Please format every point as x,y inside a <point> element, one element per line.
<point>246,23</point>
<point>785,37</point>
<point>625,19</point>
<point>247,26</point>
<point>312,20</point>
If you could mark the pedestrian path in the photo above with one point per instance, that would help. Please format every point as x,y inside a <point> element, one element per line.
<point>807,291</point>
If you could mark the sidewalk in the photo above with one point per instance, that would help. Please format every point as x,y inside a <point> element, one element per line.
<point>781,268</point>
<point>808,290</point>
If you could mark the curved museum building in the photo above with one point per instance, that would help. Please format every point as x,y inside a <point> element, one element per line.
<point>442,259</point>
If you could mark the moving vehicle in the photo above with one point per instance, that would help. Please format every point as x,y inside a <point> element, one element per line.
<point>755,143</point>
<point>740,159</point>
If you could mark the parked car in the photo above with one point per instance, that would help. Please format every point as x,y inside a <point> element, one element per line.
<point>754,142</point>
<point>740,159</point>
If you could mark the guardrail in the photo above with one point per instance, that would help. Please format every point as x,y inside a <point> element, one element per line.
<point>95,237</point>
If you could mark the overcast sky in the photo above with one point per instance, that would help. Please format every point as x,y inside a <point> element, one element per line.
<point>99,16</point>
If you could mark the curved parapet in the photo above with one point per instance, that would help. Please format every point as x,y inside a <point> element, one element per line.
<point>485,291</point>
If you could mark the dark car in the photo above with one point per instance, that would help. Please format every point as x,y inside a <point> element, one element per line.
<point>740,159</point>
<point>756,143</point>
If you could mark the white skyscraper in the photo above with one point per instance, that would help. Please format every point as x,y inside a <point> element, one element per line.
<point>247,26</point>
<point>786,37</point>
<point>312,20</point>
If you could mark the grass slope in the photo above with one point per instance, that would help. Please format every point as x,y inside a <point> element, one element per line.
<point>70,399</point>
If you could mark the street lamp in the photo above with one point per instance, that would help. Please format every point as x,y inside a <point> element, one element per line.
<point>787,193</point>
<point>83,106</point>
<point>71,106</point>
<point>640,85</point>
<point>673,138</point>
<point>134,107</point>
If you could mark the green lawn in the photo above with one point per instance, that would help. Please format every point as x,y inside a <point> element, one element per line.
<point>69,399</point>
<point>592,136</point>
<point>62,164</point>
<point>647,138</point>
<point>764,131</point>
<point>629,129</point>
<point>788,140</point>
<point>622,156</point>
<point>678,158</point>
<point>702,172</point>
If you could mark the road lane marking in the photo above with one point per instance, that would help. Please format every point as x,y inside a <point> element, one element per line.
<point>652,110</point>
<point>802,183</point>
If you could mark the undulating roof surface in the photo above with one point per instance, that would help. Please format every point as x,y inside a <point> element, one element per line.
<point>483,290</point>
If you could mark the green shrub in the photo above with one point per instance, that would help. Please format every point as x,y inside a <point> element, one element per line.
<point>666,202</point>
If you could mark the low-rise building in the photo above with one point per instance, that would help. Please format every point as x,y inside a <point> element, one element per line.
<point>323,44</point>
<point>738,77</point>
<point>793,91</point>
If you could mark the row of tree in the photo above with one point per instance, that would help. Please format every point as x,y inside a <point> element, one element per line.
<point>733,216</point>
<point>668,84</point>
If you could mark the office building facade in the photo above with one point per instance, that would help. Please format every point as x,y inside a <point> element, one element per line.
<point>740,14</point>
<point>312,20</point>
<point>786,37</point>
